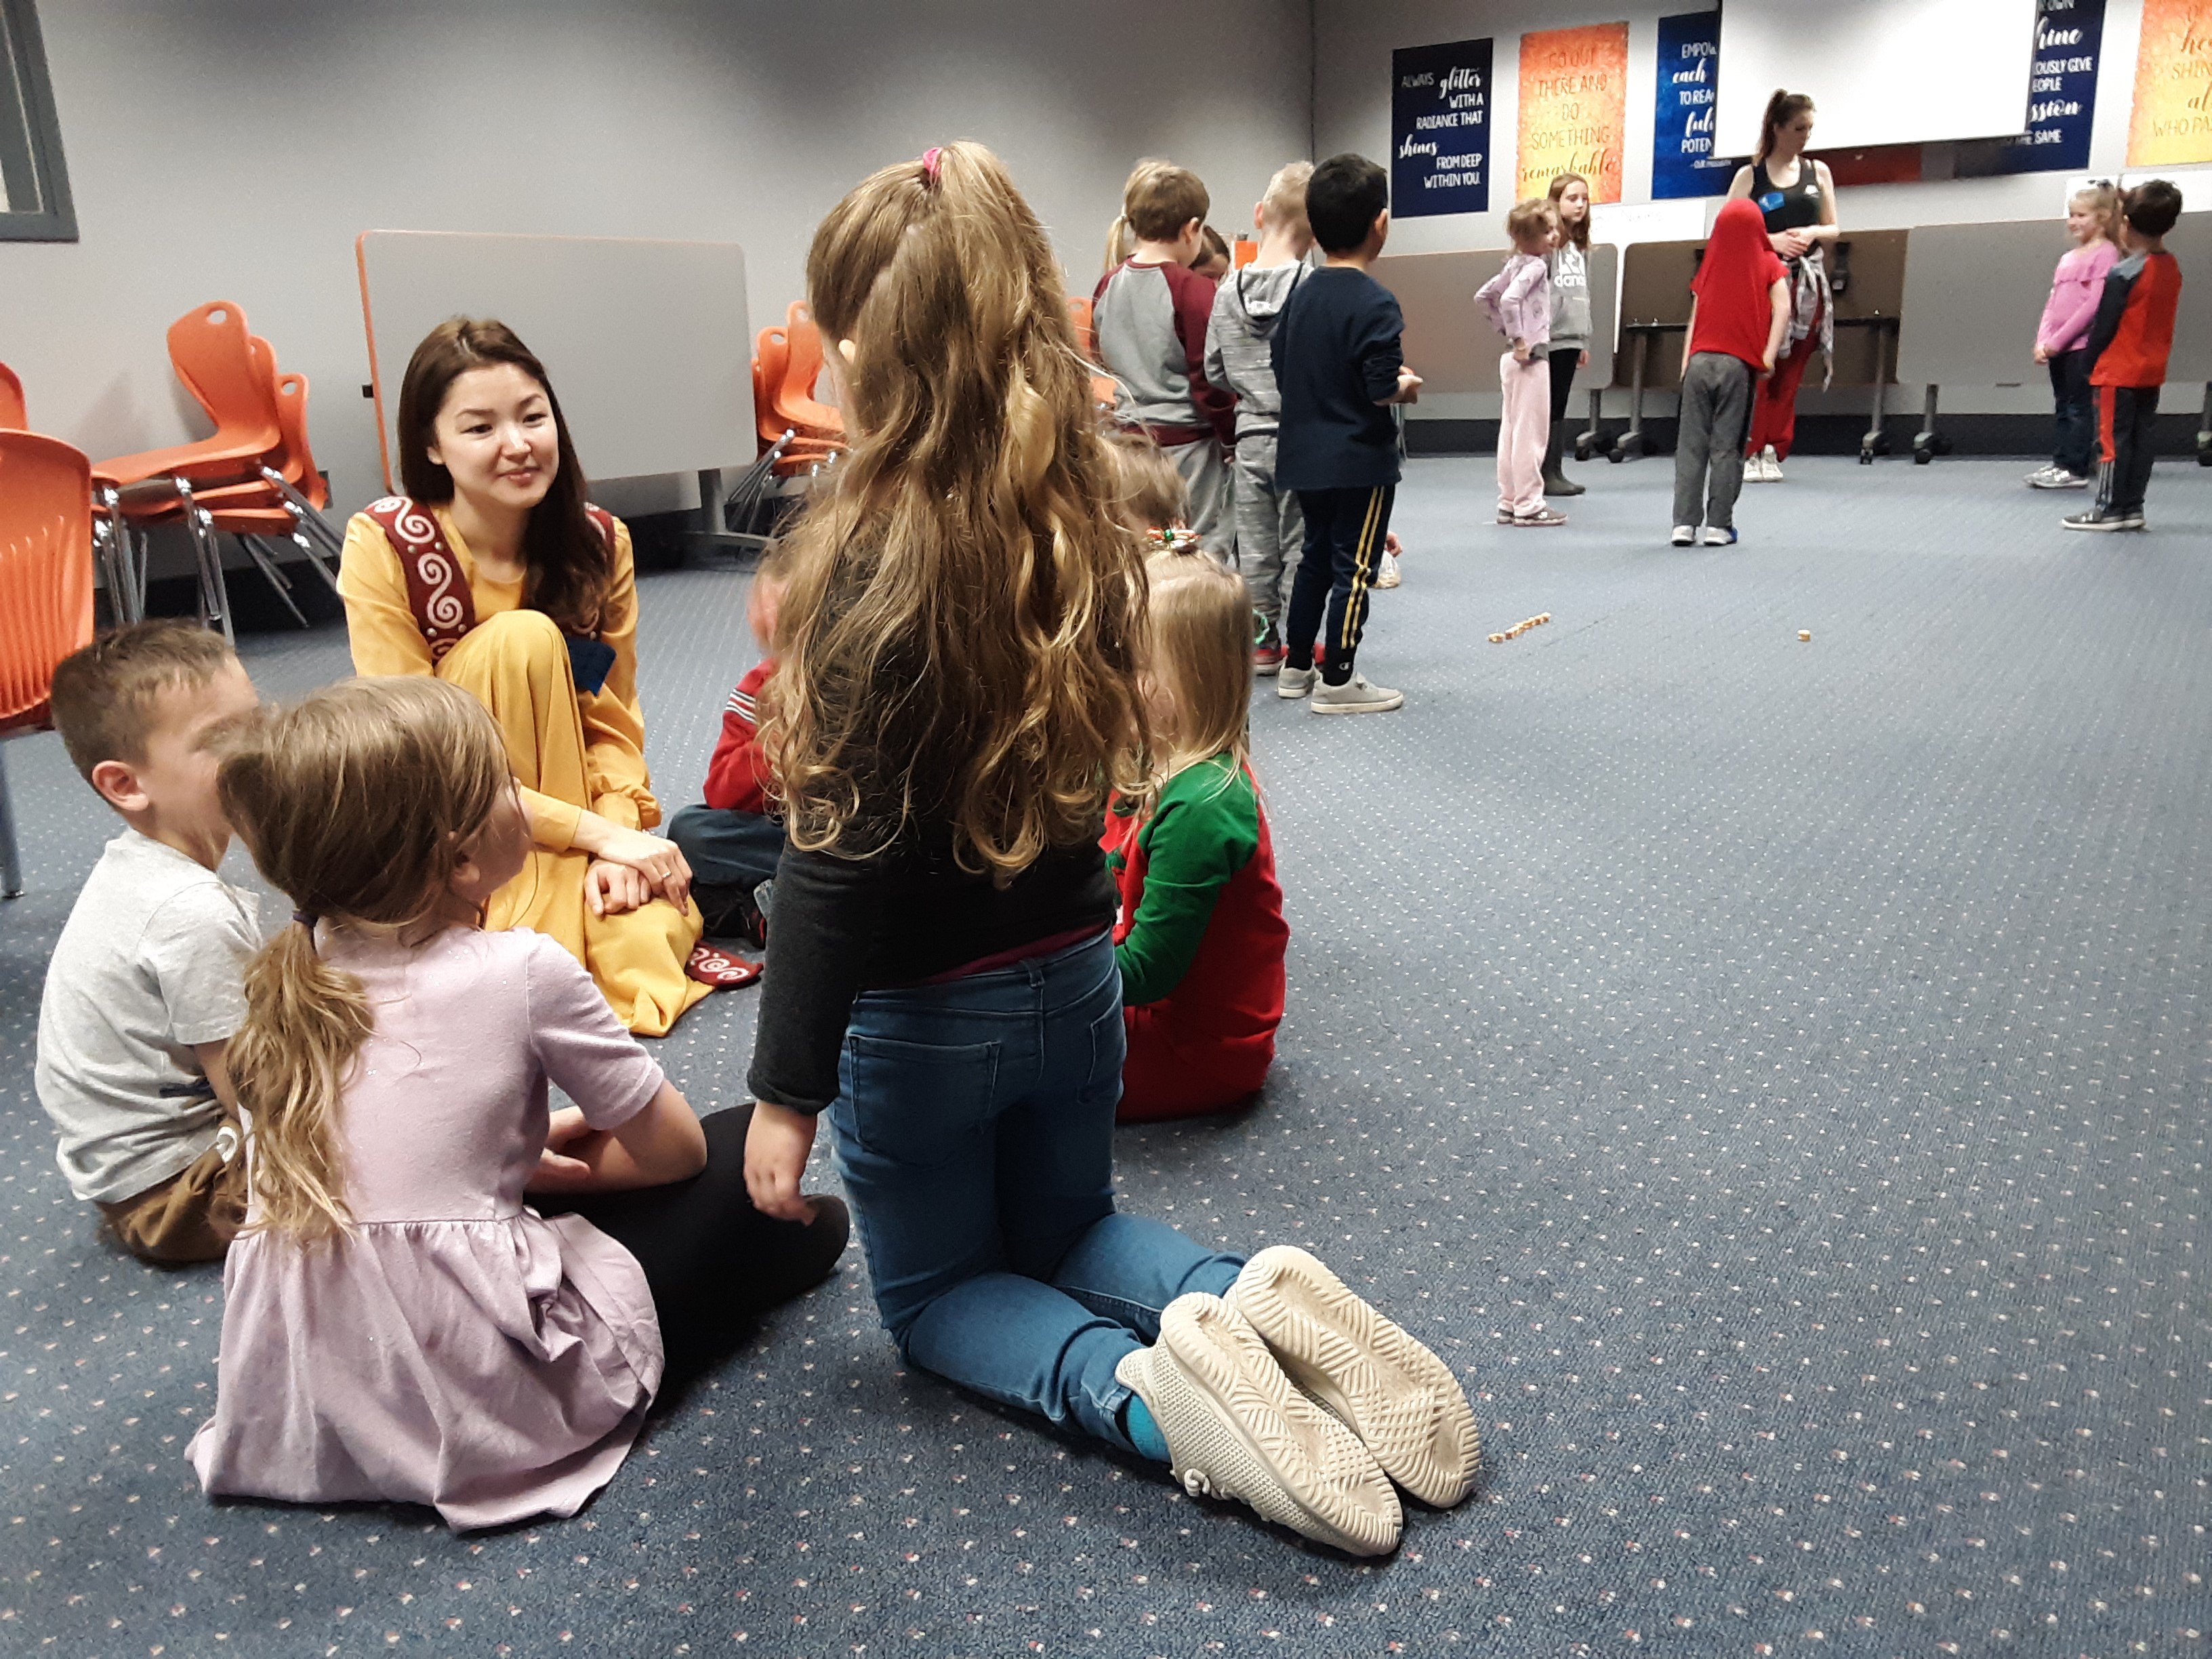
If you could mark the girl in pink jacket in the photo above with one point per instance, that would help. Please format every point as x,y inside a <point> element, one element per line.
<point>2092,216</point>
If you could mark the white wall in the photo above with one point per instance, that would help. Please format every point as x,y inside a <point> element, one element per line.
<point>1353,40</point>
<point>234,149</point>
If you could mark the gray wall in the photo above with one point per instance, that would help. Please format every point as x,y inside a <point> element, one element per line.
<point>1353,40</point>
<point>234,149</point>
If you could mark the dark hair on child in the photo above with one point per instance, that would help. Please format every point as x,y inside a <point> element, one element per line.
<point>1160,199</point>
<point>1212,245</point>
<point>568,564</point>
<point>2152,207</point>
<point>103,695</point>
<point>1783,108</point>
<point>1343,199</point>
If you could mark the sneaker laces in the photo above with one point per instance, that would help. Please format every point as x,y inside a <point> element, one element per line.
<point>1194,1482</point>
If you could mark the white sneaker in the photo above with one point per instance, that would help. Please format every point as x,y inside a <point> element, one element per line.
<point>1399,1399</point>
<point>1295,682</point>
<point>2035,480</point>
<point>1236,1428</point>
<point>1720,535</point>
<point>1684,535</point>
<point>1354,696</point>
<point>1770,466</point>
<point>1387,576</point>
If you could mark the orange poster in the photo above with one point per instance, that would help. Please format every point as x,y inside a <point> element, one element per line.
<point>2172,118</point>
<point>1574,111</point>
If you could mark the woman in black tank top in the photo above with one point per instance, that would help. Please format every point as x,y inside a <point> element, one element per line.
<point>1798,200</point>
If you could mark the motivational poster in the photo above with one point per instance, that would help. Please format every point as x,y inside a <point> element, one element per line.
<point>2171,122</point>
<point>2062,97</point>
<point>1574,108</point>
<point>1440,129</point>
<point>1683,159</point>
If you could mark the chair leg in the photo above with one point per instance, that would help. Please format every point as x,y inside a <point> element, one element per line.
<point>279,583</point>
<point>11,862</point>
<point>304,522</point>
<point>214,593</point>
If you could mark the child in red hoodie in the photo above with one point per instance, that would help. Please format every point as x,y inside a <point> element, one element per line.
<point>1200,936</point>
<point>734,842</point>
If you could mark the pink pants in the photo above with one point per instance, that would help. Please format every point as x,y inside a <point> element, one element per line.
<point>1522,433</point>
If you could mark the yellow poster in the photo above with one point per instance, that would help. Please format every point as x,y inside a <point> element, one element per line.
<point>1574,109</point>
<point>2172,118</point>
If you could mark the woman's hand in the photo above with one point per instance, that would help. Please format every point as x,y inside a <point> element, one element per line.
<point>559,1170</point>
<point>660,861</point>
<point>1790,244</point>
<point>614,889</point>
<point>776,1144</point>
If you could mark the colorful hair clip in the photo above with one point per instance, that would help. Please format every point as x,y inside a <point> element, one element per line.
<point>929,162</point>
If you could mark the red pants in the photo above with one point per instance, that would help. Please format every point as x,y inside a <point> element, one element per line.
<point>1774,402</point>
<point>1185,1076</point>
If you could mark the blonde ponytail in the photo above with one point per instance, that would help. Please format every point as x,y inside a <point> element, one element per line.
<point>357,803</point>
<point>1119,240</point>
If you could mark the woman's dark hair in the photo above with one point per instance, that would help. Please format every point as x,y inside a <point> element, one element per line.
<point>567,563</point>
<point>1343,198</point>
<point>1783,108</point>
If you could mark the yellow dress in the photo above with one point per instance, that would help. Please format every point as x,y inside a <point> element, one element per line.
<point>571,750</point>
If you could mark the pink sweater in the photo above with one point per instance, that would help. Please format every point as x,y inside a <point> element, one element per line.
<point>1519,300</point>
<point>2074,290</point>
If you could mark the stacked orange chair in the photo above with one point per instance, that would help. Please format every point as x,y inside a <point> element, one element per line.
<point>1086,337</point>
<point>45,592</point>
<point>12,416</point>
<point>810,433</point>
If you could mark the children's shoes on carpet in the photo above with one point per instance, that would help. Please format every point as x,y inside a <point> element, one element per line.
<point>1236,1427</point>
<point>1685,535</point>
<point>1718,535</point>
<point>1398,1397</point>
<point>1354,696</point>
<point>1295,682</point>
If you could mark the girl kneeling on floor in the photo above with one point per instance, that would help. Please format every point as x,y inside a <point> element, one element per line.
<point>1201,935</point>
<point>397,1322</point>
<point>957,690</point>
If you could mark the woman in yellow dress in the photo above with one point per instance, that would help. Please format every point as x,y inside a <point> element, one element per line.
<point>494,574</point>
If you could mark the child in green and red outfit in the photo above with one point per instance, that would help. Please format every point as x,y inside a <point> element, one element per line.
<point>1201,935</point>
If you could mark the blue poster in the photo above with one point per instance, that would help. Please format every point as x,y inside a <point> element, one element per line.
<point>1683,159</point>
<point>1440,129</point>
<point>2062,98</point>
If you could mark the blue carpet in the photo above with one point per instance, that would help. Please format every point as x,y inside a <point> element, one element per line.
<point>1771,1072</point>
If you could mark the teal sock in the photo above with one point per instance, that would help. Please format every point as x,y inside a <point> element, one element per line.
<point>1143,1433</point>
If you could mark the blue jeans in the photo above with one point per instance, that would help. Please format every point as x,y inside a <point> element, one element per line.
<point>726,848</point>
<point>974,1129</point>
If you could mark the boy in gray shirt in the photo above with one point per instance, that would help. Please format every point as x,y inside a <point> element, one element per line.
<point>146,983</point>
<point>1269,529</point>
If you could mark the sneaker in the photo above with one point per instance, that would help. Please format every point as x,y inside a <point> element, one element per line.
<point>1387,576</point>
<point>1236,1428</point>
<point>1684,536</point>
<point>1354,696</point>
<point>1720,535</point>
<point>1505,515</point>
<point>2052,478</point>
<point>1399,1399</point>
<point>1770,466</point>
<point>1268,658</point>
<point>2035,480</point>
<point>1295,682</point>
<point>1543,517</point>
<point>2102,518</point>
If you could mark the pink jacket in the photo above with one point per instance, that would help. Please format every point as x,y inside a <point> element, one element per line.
<point>2075,288</point>
<point>1519,300</point>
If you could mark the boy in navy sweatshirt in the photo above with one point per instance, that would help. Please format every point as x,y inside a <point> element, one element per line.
<point>1339,369</point>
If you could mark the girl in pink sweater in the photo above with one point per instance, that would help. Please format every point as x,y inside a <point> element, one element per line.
<point>2091,217</point>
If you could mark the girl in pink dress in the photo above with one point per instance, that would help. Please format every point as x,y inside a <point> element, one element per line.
<point>398,1322</point>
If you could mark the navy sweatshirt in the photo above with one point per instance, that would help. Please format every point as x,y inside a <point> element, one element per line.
<point>1336,352</point>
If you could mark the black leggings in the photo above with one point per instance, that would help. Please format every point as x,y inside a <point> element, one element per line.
<point>1564,361</point>
<point>714,1263</point>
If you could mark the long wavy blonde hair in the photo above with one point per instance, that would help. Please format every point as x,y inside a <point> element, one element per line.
<point>355,803</point>
<point>1201,658</point>
<point>959,640</point>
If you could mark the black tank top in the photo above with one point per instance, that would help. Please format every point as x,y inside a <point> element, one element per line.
<point>1797,207</point>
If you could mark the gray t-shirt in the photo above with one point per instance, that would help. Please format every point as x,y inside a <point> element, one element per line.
<point>152,962</point>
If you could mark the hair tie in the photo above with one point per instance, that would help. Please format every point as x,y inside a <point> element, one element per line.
<point>929,163</point>
<point>306,919</point>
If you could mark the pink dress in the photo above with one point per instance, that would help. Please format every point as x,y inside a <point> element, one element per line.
<point>454,1348</point>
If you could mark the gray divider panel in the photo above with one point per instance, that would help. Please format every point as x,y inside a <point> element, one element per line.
<point>1449,343</point>
<point>1973,293</point>
<point>647,343</point>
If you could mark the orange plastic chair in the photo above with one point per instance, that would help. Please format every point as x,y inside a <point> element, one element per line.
<point>1086,337</point>
<point>794,393</point>
<point>212,353</point>
<point>804,451</point>
<point>45,593</point>
<point>12,418</point>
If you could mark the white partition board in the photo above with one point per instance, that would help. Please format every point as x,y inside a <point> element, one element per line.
<point>647,343</point>
<point>1880,71</point>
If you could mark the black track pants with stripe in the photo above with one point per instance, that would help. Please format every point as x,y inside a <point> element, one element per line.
<point>2127,425</point>
<point>1345,529</point>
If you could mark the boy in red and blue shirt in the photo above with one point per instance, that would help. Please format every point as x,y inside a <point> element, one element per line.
<point>2127,351</point>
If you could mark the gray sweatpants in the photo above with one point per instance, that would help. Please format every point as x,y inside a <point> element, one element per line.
<point>1715,415</point>
<point>1206,482</point>
<point>1270,531</point>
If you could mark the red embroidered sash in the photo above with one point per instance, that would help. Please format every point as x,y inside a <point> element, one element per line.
<point>437,592</point>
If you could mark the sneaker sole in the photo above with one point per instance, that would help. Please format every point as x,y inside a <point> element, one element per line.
<point>1258,1439</point>
<point>1266,668</point>
<point>1380,706</point>
<point>1400,1400</point>
<point>2106,528</point>
<point>1284,689</point>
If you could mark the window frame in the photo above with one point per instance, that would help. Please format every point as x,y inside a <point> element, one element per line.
<point>55,219</point>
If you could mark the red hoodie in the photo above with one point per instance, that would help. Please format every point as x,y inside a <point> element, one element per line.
<point>736,780</point>
<point>1734,286</point>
